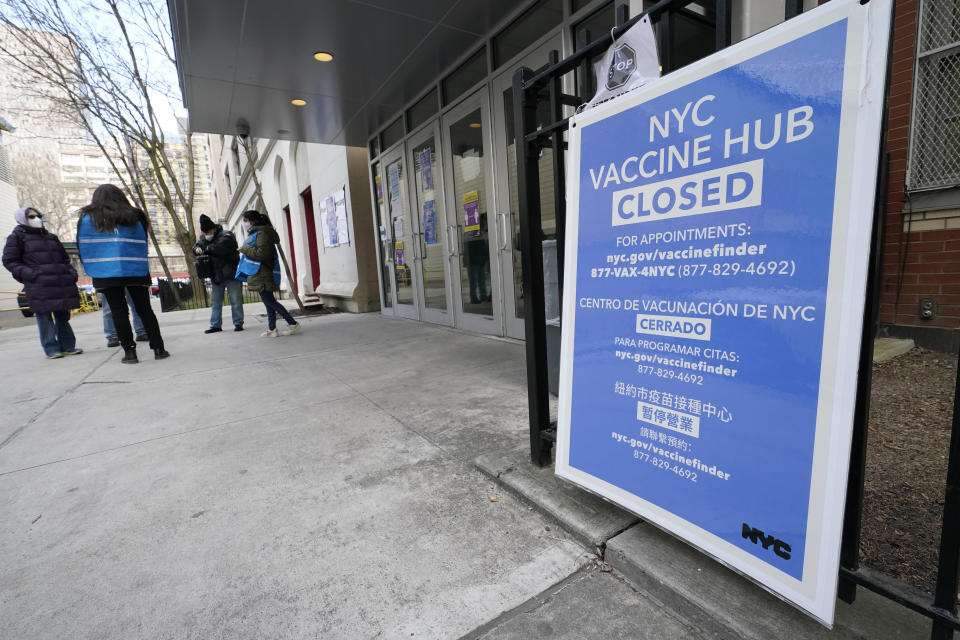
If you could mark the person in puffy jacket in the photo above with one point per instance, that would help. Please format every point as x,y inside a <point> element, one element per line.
<point>112,238</point>
<point>263,250</point>
<point>220,246</point>
<point>37,259</point>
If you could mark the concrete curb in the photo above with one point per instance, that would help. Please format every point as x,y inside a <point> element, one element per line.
<point>587,518</point>
<point>728,605</point>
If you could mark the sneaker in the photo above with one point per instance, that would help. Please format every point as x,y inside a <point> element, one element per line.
<point>55,356</point>
<point>129,356</point>
<point>143,338</point>
<point>292,329</point>
<point>270,333</point>
<point>238,327</point>
<point>72,352</point>
<point>160,354</point>
<point>113,342</point>
<point>213,330</point>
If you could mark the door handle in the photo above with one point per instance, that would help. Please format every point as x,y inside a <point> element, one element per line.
<point>505,230</point>
<point>450,252</point>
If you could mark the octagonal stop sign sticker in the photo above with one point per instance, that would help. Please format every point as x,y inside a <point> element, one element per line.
<point>622,66</point>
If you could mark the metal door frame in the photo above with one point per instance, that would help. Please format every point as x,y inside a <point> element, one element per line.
<point>464,320</point>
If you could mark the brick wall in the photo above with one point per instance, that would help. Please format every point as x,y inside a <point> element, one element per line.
<point>921,254</point>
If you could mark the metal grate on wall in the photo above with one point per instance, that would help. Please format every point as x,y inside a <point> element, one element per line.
<point>935,137</point>
<point>6,174</point>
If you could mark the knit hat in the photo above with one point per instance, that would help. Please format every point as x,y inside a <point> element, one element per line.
<point>206,224</point>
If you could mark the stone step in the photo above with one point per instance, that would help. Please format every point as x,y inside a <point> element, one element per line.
<point>727,605</point>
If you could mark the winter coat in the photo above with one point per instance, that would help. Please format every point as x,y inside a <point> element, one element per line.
<point>36,258</point>
<point>223,253</point>
<point>114,258</point>
<point>267,238</point>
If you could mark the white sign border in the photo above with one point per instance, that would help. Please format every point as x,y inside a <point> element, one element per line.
<point>868,30</point>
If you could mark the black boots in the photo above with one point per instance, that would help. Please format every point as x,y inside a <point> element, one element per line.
<point>129,355</point>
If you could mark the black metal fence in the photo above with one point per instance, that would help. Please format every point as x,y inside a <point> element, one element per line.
<point>186,299</point>
<point>533,87</point>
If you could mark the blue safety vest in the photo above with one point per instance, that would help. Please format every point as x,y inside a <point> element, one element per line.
<point>112,254</point>
<point>250,267</point>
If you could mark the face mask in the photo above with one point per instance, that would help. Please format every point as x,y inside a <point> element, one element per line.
<point>208,238</point>
<point>36,223</point>
<point>246,226</point>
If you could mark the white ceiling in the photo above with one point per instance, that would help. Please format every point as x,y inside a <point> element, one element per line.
<point>246,59</point>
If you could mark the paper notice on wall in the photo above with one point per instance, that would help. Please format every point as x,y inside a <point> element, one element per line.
<point>397,228</point>
<point>429,222</point>
<point>398,254</point>
<point>426,170</point>
<point>379,189</point>
<point>471,214</point>
<point>328,213</point>
<point>393,179</point>
<point>333,218</point>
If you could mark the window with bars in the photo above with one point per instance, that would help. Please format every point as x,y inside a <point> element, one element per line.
<point>6,174</point>
<point>935,138</point>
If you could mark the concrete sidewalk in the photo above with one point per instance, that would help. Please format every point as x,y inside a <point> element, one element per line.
<point>366,478</point>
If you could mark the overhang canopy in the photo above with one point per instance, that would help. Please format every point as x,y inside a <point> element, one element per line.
<point>245,60</point>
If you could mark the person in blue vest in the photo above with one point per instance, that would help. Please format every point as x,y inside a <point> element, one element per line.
<point>112,239</point>
<point>37,259</point>
<point>260,268</point>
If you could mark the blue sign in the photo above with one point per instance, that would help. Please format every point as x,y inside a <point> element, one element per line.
<point>701,310</point>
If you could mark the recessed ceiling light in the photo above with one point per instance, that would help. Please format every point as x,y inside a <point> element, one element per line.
<point>323,56</point>
<point>475,125</point>
<point>297,102</point>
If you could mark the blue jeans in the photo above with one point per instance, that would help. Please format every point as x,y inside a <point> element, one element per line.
<point>235,289</point>
<point>109,328</point>
<point>56,336</point>
<point>273,308</point>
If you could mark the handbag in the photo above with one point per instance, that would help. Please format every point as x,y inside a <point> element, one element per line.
<point>204,265</point>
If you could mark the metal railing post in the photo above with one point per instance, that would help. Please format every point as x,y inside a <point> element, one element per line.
<point>948,569</point>
<point>531,251</point>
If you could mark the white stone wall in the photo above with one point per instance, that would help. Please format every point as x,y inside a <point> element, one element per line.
<point>8,204</point>
<point>286,170</point>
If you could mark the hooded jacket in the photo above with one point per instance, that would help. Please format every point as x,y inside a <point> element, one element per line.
<point>223,252</point>
<point>37,259</point>
<point>267,238</point>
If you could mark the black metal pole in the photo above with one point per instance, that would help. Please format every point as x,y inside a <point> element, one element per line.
<point>853,507</point>
<point>665,42</point>
<point>724,25</point>
<point>559,173</point>
<point>948,571</point>
<point>792,9</point>
<point>531,251</point>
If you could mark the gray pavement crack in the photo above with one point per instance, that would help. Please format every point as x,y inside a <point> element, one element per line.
<point>54,401</point>
<point>269,414</point>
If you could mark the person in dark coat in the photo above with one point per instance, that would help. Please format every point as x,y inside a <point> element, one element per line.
<point>36,259</point>
<point>263,250</point>
<point>112,238</point>
<point>221,247</point>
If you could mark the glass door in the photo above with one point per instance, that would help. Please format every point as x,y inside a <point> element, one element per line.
<point>432,262</point>
<point>384,241</point>
<point>403,233</point>
<point>508,199</point>
<point>472,220</point>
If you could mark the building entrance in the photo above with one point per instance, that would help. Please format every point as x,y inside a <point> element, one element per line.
<point>472,215</point>
<point>508,252</point>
